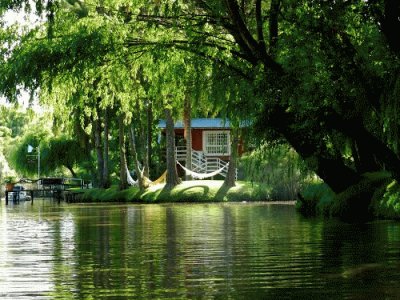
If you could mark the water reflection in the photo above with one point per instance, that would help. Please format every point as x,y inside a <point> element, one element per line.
<point>52,251</point>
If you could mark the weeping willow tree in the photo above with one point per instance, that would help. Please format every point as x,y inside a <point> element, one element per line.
<point>58,155</point>
<point>279,167</point>
<point>323,74</point>
<point>75,62</point>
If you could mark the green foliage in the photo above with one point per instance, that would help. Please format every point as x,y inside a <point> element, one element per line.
<point>330,59</point>
<point>14,123</point>
<point>23,162</point>
<point>14,120</point>
<point>61,152</point>
<point>55,152</point>
<point>315,199</point>
<point>10,179</point>
<point>388,205</point>
<point>277,166</point>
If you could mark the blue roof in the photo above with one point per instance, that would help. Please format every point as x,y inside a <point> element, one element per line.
<point>200,123</point>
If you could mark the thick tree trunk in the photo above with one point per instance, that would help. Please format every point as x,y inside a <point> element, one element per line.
<point>71,170</point>
<point>354,193</point>
<point>313,150</point>
<point>106,173</point>
<point>99,151</point>
<point>273,26</point>
<point>187,119</point>
<point>122,155</point>
<point>231,175</point>
<point>85,143</point>
<point>172,173</point>
<point>310,133</point>
<point>371,146</point>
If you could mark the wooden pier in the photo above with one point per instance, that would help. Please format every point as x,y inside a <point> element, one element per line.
<point>56,188</point>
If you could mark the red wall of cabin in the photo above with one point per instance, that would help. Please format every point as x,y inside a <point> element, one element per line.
<point>197,141</point>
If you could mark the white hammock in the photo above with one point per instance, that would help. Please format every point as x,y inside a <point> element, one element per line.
<point>130,179</point>
<point>202,175</point>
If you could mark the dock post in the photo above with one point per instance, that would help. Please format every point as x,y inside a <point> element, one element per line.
<point>6,197</point>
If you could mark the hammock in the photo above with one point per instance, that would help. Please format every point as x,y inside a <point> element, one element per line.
<point>160,179</point>
<point>202,175</point>
<point>130,179</point>
<point>133,182</point>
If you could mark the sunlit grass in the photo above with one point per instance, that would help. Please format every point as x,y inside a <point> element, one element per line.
<point>187,191</point>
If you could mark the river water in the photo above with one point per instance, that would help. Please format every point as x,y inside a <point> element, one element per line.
<point>192,251</point>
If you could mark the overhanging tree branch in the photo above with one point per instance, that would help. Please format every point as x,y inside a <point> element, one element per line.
<point>244,38</point>
<point>273,26</point>
<point>259,21</point>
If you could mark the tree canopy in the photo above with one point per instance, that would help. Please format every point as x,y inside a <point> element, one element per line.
<point>321,75</point>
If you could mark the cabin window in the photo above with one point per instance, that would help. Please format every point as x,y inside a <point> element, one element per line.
<point>216,143</point>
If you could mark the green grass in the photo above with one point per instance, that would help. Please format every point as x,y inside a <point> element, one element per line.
<point>187,191</point>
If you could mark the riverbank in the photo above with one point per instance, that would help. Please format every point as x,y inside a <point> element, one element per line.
<point>320,200</point>
<point>187,191</point>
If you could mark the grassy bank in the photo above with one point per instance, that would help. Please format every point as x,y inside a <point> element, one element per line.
<point>187,191</point>
<point>319,199</point>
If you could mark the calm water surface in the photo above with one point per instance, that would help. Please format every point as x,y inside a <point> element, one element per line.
<point>192,251</point>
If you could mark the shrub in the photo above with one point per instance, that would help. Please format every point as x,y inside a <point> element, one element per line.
<point>388,205</point>
<point>315,199</point>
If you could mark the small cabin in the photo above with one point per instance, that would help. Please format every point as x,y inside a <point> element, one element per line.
<point>211,137</point>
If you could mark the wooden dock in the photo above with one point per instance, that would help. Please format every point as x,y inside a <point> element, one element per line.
<point>16,195</point>
<point>56,188</point>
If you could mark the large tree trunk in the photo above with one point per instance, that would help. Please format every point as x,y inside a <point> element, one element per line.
<point>71,169</point>
<point>358,93</point>
<point>354,192</point>
<point>106,173</point>
<point>84,143</point>
<point>172,173</point>
<point>368,144</point>
<point>122,155</point>
<point>187,119</point>
<point>312,149</point>
<point>231,175</point>
<point>96,129</point>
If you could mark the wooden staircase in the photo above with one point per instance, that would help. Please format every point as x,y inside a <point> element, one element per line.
<point>202,163</point>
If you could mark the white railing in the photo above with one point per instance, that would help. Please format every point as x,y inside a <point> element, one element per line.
<point>201,163</point>
<point>180,153</point>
